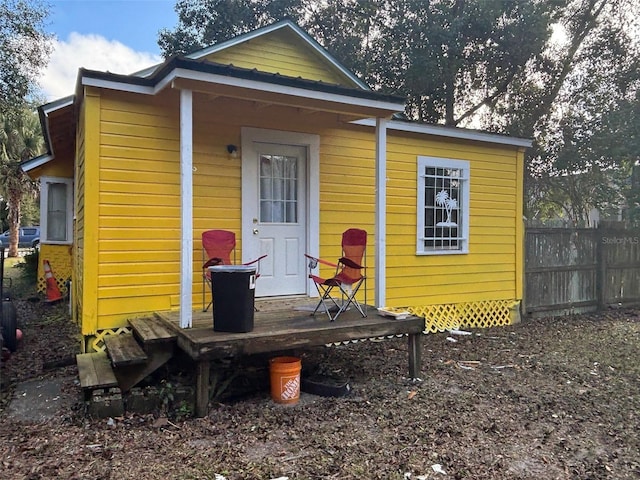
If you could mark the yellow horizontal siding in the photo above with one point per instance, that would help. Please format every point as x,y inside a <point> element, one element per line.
<point>441,264</point>
<point>122,259</point>
<point>149,279</point>
<point>126,290</point>
<point>158,197</point>
<point>449,294</point>
<point>129,304</point>
<point>488,271</point>
<point>112,156</point>
<point>467,280</point>
<point>280,52</point>
<point>217,180</point>
<point>126,213</point>
<point>138,262</point>
<point>150,267</point>
<point>347,193</point>
<point>139,205</point>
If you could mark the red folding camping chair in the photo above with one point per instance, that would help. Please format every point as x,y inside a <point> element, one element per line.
<point>218,248</point>
<point>348,278</point>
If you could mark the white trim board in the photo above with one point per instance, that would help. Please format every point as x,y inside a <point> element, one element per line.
<point>449,132</point>
<point>186,208</point>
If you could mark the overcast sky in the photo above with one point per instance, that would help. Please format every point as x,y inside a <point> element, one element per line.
<point>118,36</point>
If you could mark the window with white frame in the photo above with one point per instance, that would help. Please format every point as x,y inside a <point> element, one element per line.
<point>443,206</point>
<point>56,210</point>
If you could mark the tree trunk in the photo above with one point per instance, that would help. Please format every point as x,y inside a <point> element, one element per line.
<point>13,217</point>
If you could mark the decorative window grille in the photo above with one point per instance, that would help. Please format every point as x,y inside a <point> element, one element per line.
<point>443,206</point>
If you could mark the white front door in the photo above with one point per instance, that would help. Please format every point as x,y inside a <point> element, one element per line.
<point>275,209</point>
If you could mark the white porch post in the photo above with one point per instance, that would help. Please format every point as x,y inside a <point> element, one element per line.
<point>381,212</point>
<point>186,207</point>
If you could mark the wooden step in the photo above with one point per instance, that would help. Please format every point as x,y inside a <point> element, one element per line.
<point>151,330</point>
<point>124,350</point>
<point>95,371</point>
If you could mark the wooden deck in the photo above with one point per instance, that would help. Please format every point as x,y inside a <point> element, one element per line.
<point>283,325</point>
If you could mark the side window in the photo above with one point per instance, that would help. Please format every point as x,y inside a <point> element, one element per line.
<point>56,210</point>
<point>443,206</point>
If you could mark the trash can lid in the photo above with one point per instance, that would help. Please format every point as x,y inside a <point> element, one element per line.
<point>232,269</point>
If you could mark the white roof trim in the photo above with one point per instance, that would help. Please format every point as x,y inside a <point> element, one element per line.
<point>182,73</point>
<point>449,132</point>
<point>36,162</point>
<point>57,104</point>
<point>272,28</point>
<point>115,85</point>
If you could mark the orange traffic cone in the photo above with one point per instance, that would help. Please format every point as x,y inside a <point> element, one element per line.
<point>53,292</point>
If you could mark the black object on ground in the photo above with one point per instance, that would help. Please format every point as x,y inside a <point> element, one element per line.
<point>9,322</point>
<point>325,386</point>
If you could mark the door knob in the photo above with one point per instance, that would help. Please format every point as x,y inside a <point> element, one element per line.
<point>255,231</point>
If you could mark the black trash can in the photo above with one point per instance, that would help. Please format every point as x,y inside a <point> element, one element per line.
<point>233,288</point>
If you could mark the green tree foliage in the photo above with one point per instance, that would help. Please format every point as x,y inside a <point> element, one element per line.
<point>454,59</point>
<point>24,50</point>
<point>206,22</point>
<point>585,123</point>
<point>562,72</point>
<point>448,58</point>
<point>20,139</point>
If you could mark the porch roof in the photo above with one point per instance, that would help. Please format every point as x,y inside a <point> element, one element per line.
<point>58,120</point>
<point>228,80</point>
<point>58,124</point>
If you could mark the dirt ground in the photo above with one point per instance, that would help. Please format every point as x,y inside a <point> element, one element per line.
<point>547,398</point>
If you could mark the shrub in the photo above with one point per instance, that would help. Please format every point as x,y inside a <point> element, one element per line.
<point>30,266</point>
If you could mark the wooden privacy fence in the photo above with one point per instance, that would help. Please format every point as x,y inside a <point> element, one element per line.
<point>578,269</point>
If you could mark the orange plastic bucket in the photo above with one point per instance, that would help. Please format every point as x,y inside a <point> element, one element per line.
<point>284,373</point>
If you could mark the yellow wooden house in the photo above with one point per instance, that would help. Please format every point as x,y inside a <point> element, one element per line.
<point>138,166</point>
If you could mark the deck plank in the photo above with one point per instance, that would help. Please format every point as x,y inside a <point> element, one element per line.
<point>94,370</point>
<point>124,350</point>
<point>275,331</point>
<point>151,330</point>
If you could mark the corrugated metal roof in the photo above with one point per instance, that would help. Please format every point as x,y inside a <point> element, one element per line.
<point>181,62</point>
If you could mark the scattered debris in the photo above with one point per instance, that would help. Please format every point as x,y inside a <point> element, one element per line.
<point>455,331</point>
<point>504,420</point>
<point>468,364</point>
<point>500,367</point>
<point>438,468</point>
